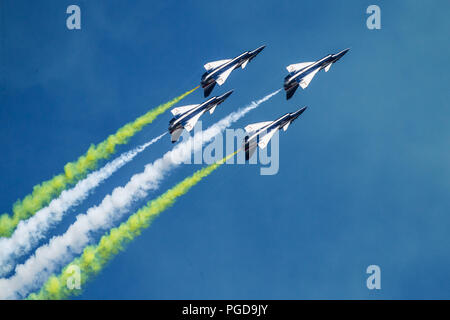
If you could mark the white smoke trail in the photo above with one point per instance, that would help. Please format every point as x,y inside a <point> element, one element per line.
<point>61,249</point>
<point>29,232</point>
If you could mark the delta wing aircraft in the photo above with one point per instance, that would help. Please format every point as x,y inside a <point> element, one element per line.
<point>219,71</point>
<point>187,116</point>
<point>302,73</point>
<point>260,133</point>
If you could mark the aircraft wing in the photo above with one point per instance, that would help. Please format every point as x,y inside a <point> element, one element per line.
<point>180,110</point>
<point>223,76</point>
<point>245,64</point>
<point>265,140</point>
<point>328,67</point>
<point>192,121</point>
<point>297,66</point>
<point>212,109</point>
<point>306,80</point>
<point>256,126</point>
<point>215,64</point>
<point>286,126</point>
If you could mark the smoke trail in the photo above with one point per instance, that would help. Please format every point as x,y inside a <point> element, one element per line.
<point>74,171</point>
<point>94,258</point>
<point>61,249</point>
<point>29,232</point>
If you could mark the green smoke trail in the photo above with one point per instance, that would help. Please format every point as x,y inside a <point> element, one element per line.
<point>74,171</point>
<point>94,258</point>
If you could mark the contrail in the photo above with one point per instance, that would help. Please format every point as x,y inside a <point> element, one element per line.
<point>29,232</point>
<point>77,170</point>
<point>94,258</point>
<point>61,249</point>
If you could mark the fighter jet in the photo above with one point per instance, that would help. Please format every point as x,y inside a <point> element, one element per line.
<point>218,71</point>
<point>186,117</point>
<point>260,133</point>
<point>302,73</point>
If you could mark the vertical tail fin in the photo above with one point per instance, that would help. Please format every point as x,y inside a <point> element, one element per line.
<point>290,92</point>
<point>249,148</point>
<point>209,88</point>
<point>175,135</point>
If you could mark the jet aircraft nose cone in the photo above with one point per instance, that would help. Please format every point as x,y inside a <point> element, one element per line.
<point>227,94</point>
<point>343,52</point>
<point>299,112</point>
<point>259,49</point>
<point>339,55</point>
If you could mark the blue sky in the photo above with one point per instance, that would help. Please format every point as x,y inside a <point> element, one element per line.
<point>364,173</point>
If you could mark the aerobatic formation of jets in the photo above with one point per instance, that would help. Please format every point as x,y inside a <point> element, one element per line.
<point>258,134</point>
<point>184,118</point>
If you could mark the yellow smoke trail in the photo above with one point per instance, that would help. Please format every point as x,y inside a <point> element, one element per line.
<point>73,171</point>
<point>94,258</point>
